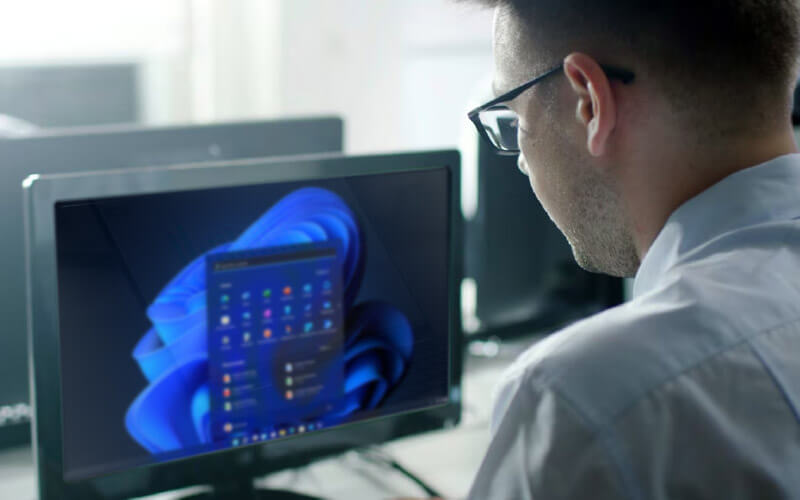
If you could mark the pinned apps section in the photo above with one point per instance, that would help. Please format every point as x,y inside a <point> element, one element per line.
<point>275,339</point>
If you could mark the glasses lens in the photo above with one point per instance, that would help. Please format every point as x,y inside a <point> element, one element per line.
<point>500,124</point>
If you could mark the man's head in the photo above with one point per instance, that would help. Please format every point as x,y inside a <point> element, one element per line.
<point>712,89</point>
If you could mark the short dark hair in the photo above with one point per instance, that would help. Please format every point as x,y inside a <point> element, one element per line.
<point>732,52</point>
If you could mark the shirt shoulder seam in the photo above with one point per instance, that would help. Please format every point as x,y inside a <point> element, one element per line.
<point>628,484</point>
<point>745,339</point>
<point>776,379</point>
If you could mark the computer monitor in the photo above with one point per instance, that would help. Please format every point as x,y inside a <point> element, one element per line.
<point>208,324</point>
<point>107,148</point>
<point>522,273</point>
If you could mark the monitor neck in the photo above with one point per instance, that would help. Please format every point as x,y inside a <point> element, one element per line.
<point>246,490</point>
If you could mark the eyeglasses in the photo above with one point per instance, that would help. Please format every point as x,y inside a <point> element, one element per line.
<point>498,124</point>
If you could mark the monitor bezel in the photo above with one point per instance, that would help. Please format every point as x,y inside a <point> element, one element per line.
<point>41,193</point>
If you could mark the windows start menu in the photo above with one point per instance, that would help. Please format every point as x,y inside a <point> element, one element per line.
<point>275,341</point>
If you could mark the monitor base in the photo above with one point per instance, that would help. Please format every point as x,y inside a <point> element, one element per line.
<point>247,491</point>
<point>256,495</point>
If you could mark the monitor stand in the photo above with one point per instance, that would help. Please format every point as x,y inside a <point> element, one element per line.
<point>245,490</point>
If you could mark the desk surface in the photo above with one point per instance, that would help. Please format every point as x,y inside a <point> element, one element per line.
<point>447,460</point>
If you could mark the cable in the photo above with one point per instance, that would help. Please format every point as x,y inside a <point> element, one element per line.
<point>378,457</point>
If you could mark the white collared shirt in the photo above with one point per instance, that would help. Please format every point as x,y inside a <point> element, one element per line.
<point>689,391</point>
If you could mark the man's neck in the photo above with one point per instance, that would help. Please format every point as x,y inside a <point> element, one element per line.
<point>672,179</point>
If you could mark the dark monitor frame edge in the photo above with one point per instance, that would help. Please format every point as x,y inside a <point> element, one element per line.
<point>553,320</point>
<point>127,128</point>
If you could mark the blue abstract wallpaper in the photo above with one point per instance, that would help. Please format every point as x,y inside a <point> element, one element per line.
<point>172,413</point>
<point>143,365</point>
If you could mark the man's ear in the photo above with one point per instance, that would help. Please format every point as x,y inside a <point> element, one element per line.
<point>597,110</point>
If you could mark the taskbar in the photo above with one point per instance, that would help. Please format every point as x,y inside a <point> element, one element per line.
<point>281,433</point>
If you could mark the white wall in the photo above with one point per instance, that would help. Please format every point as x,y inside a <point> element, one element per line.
<point>148,32</point>
<point>234,58</point>
<point>54,30</point>
<point>400,73</point>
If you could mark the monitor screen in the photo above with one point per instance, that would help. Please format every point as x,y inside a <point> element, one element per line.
<point>197,321</point>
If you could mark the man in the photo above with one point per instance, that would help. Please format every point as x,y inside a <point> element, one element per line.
<point>660,144</point>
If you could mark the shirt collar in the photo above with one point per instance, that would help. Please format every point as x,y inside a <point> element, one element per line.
<point>759,194</point>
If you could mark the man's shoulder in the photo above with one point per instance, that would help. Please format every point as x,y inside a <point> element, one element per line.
<point>606,363</point>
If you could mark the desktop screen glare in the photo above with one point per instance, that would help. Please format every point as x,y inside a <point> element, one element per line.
<point>309,314</point>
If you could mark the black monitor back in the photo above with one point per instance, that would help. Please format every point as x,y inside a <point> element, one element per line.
<point>108,149</point>
<point>525,274</point>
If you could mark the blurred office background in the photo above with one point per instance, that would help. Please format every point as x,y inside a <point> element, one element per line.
<point>401,74</point>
